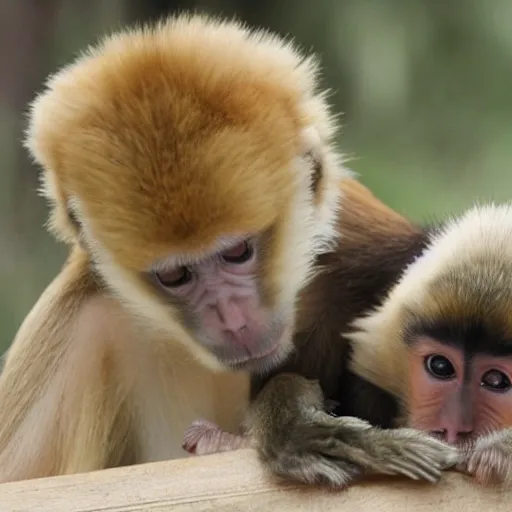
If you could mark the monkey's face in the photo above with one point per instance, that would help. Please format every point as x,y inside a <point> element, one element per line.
<point>455,395</point>
<point>222,303</point>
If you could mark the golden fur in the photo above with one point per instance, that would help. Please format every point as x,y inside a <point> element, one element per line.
<point>158,142</point>
<point>158,138</point>
<point>151,111</point>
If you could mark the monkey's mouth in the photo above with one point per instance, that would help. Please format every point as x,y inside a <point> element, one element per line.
<point>261,363</point>
<point>270,352</point>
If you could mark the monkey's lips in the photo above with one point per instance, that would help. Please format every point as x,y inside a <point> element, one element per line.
<point>256,357</point>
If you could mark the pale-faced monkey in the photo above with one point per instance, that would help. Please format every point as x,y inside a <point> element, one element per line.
<point>191,169</point>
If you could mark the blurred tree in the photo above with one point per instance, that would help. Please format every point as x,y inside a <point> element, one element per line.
<point>138,10</point>
<point>24,61</point>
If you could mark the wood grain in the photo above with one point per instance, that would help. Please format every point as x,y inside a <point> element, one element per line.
<point>235,481</point>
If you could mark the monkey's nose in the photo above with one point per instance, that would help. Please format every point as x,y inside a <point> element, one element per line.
<point>452,435</point>
<point>231,315</point>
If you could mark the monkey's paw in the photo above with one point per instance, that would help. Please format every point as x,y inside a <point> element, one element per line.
<point>204,437</point>
<point>407,452</point>
<point>490,459</point>
<point>339,451</point>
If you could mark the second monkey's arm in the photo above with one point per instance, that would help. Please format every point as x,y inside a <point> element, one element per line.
<point>298,439</point>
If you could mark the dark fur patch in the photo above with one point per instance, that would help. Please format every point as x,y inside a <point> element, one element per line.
<point>317,168</point>
<point>472,334</point>
<point>74,220</point>
<point>351,280</point>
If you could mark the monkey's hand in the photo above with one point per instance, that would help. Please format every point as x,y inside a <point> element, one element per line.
<point>298,440</point>
<point>489,461</point>
<point>204,437</point>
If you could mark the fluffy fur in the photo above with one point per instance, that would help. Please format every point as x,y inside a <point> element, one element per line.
<point>159,142</point>
<point>183,110</point>
<point>463,271</point>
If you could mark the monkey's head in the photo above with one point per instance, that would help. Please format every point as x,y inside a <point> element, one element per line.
<point>194,161</point>
<point>442,340</point>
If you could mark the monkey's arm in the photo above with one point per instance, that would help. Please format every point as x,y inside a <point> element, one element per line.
<point>297,439</point>
<point>58,405</point>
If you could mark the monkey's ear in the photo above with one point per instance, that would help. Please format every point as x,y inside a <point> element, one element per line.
<point>63,222</point>
<point>42,142</point>
<point>311,150</point>
<point>378,353</point>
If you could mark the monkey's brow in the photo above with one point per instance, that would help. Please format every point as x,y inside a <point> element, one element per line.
<point>473,339</point>
<point>194,258</point>
<point>504,347</point>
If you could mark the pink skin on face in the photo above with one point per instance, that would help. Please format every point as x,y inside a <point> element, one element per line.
<point>464,405</point>
<point>222,293</point>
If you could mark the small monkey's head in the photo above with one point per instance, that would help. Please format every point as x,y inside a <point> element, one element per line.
<point>194,161</point>
<point>442,340</point>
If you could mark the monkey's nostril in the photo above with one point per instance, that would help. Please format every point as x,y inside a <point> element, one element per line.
<point>451,436</point>
<point>439,434</point>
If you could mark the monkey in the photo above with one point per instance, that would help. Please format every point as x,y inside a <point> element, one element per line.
<point>191,167</point>
<point>428,340</point>
<point>440,342</point>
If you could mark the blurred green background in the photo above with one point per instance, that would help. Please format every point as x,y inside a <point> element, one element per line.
<point>424,87</point>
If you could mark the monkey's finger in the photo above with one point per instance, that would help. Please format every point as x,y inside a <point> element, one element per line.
<point>448,456</point>
<point>425,461</point>
<point>311,468</point>
<point>399,469</point>
<point>400,465</point>
<point>416,472</point>
<point>411,464</point>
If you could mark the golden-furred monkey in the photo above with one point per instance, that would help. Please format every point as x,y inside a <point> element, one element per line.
<point>190,167</point>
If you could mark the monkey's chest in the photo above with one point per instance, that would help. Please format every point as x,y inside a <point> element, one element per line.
<point>181,394</point>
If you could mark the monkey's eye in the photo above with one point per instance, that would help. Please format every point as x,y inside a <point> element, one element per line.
<point>495,380</point>
<point>173,278</point>
<point>439,367</point>
<point>238,254</point>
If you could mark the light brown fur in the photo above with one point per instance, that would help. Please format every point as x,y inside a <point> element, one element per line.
<point>85,410</point>
<point>159,143</point>
<point>136,111</point>
<point>159,139</point>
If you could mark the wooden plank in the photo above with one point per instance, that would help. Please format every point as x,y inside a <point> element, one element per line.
<point>232,482</point>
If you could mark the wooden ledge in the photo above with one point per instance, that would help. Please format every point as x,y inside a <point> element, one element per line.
<point>235,481</point>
